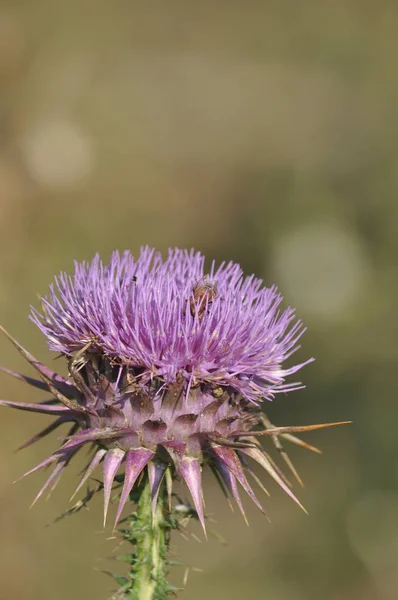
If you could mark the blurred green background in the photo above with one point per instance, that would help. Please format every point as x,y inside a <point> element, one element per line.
<point>263,132</point>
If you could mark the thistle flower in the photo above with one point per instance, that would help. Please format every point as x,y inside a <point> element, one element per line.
<point>168,368</point>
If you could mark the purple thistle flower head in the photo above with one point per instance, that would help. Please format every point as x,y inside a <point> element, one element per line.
<point>168,366</point>
<point>169,319</point>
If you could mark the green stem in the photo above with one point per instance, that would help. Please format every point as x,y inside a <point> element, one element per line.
<point>151,553</point>
<point>149,534</point>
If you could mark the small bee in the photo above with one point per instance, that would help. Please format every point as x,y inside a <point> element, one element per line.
<point>125,282</point>
<point>204,292</point>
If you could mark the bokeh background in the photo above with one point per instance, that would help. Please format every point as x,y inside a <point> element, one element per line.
<point>264,132</point>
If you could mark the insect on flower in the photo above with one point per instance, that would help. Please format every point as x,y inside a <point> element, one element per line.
<point>203,294</point>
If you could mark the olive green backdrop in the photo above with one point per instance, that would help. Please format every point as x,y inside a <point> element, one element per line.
<point>264,132</point>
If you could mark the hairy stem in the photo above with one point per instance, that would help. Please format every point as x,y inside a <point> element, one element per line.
<point>149,534</point>
<point>151,552</point>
